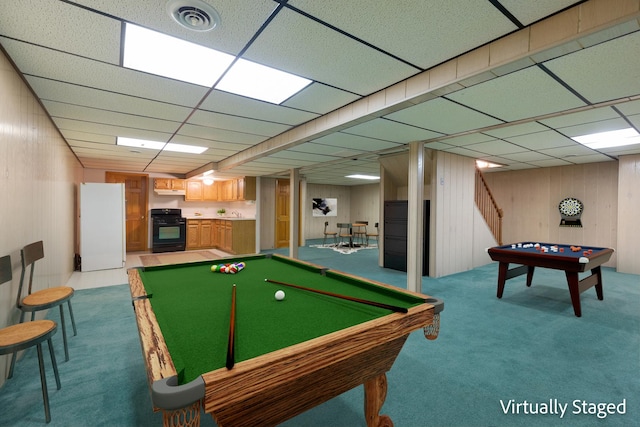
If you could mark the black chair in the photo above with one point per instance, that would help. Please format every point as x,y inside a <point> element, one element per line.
<point>333,234</point>
<point>22,336</point>
<point>42,299</point>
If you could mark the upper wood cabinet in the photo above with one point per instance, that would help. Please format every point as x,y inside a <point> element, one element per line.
<point>194,191</point>
<point>227,191</point>
<point>168,184</point>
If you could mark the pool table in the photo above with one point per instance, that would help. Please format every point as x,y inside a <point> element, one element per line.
<point>290,355</point>
<point>573,259</point>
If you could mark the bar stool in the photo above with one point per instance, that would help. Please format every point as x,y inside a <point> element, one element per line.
<point>373,235</point>
<point>42,299</point>
<point>345,232</point>
<point>360,231</point>
<point>333,234</point>
<point>19,337</point>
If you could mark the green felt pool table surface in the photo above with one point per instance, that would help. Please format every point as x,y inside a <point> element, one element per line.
<point>192,305</point>
<point>290,355</point>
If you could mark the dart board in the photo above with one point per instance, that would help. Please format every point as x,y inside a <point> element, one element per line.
<point>570,211</point>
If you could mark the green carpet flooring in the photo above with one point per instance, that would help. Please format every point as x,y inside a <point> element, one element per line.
<point>527,348</point>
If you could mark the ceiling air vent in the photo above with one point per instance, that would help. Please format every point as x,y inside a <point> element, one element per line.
<point>194,15</point>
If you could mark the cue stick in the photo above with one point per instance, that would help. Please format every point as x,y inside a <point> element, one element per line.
<point>346,297</point>
<point>232,331</point>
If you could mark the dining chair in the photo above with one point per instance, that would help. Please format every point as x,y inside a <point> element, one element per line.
<point>372,234</point>
<point>22,336</point>
<point>344,232</point>
<point>43,299</point>
<point>360,231</point>
<point>333,234</point>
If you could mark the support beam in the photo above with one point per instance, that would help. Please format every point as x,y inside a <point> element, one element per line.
<point>415,231</point>
<point>294,212</point>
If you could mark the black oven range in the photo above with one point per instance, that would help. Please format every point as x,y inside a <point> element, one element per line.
<point>169,230</point>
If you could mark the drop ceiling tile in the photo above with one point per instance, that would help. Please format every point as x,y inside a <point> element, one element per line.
<point>462,151</point>
<point>526,156</point>
<point>37,61</point>
<point>591,158</point>
<point>302,46</point>
<point>221,135</point>
<point>443,116</point>
<point>355,142</point>
<point>235,123</point>
<point>549,163</point>
<point>495,148</point>
<point>464,140</point>
<point>630,108</point>
<point>594,127</point>
<point>226,103</point>
<point>520,95</point>
<point>568,151</point>
<point>516,130</point>
<point>395,23</point>
<point>635,120</point>
<point>52,90</point>
<point>530,12</point>
<point>390,130</point>
<point>51,23</point>
<point>603,72</point>
<point>239,20</point>
<point>305,158</point>
<point>110,130</point>
<point>73,112</point>
<point>320,99</point>
<point>587,116</point>
<point>541,140</point>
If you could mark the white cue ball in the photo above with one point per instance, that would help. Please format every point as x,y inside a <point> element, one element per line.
<point>279,295</point>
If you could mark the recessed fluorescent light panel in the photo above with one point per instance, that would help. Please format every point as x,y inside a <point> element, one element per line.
<point>367,177</point>
<point>156,53</point>
<point>156,145</point>
<point>614,138</point>
<point>260,82</point>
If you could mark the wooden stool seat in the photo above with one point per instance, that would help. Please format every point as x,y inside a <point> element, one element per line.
<point>47,298</point>
<point>25,335</point>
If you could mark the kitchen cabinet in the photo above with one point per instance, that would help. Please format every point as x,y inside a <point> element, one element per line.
<point>168,184</point>
<point>246,188</point>
<point>200,234</point>
<point>230,190</point>
<point>231,236</point>
<point>194,191</point>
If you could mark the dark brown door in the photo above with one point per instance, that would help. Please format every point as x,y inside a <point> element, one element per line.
<point>135,190</point>
<point>282,213</point>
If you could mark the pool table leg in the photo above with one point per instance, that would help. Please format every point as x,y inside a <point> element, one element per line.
<point>375,392</point>
<point>574,291</point>
<point>505,274</point>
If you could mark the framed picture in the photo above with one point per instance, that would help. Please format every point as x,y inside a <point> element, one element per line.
<point>325,207</point>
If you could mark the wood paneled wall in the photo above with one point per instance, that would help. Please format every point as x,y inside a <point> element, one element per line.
<point>38,186</point>
<point>628,209</point>
<point>452,214</point>
<point>530,201</point>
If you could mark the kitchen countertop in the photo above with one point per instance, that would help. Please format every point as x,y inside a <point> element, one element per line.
<point>226,218</point>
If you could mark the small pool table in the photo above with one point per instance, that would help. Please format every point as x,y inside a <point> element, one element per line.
<point>290,355</point>
<point>573,259</point>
